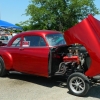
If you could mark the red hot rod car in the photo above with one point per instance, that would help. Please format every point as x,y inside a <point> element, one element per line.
<point>45,53</point>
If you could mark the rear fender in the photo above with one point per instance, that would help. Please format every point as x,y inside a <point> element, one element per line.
<point>8,61</point>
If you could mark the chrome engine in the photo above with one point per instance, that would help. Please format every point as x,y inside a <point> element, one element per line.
<point>72,62</point>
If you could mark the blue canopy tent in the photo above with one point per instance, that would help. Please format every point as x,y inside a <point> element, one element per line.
<point>4,24</point>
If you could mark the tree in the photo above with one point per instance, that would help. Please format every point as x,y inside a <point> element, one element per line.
<point>58,14</point>
<point>25,25</point>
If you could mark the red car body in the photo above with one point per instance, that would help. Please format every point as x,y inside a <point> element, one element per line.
<point>34,60</point>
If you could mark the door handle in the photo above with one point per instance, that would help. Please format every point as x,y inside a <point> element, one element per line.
<point>21,48</point>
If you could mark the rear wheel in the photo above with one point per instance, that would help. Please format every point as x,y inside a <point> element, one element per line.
<point>78,84</point>
<point>3,71</point>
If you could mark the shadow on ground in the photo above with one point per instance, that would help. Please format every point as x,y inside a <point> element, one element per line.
<point>55,81</point>
<point>48,82</point>
<point>94,91</point>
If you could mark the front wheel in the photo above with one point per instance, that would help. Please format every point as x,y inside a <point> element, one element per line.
<point>78,84</point>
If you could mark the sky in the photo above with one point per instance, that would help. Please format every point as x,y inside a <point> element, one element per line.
<point>12,10</point>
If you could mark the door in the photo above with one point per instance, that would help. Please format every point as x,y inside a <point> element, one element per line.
<point>34,55</point>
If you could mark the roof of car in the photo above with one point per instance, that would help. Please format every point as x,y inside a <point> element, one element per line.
<point>34,32</point>
<point>39,32</point>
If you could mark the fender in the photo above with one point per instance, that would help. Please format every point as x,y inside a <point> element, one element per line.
<point>8,61</point>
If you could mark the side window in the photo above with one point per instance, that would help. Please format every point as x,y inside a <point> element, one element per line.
<point>16,43</point>
<point>34,41</point>
<point>42,42</point>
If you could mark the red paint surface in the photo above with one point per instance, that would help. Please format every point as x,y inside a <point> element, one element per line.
<point>87,33</point>
<point>72,59</point>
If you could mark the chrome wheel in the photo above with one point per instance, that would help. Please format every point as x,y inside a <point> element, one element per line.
<point>77,85</point>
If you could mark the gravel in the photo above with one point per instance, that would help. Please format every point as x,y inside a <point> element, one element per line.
<point>26,87</point>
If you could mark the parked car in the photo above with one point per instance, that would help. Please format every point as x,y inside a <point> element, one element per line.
<point>5,38</point>
<point>45,53</point>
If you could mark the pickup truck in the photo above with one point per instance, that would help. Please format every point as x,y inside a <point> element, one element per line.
<point>74,55</point>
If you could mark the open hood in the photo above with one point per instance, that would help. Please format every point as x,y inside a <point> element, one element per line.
<point>87,33</point>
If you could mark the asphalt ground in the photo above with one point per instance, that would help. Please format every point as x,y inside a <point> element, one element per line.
<point>26,87</point>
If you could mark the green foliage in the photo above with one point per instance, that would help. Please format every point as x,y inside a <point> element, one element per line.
<point>58,14</point>
<point>25,25</point>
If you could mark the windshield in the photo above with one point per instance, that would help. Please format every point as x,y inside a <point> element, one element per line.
<point>55,39</point>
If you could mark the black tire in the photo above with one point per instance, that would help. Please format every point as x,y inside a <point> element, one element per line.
<point>78,84</point>
<point>3,71</point>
